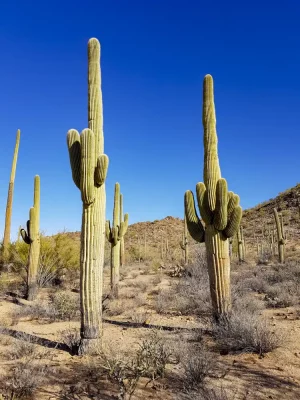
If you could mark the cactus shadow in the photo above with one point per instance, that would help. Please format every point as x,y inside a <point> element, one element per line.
<point>51,344</point>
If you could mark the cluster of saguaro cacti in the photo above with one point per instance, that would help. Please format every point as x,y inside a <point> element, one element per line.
<point>281,238</point>
<point>219,209</point>
<point>32,237</point>
<point>89,167</point>
<point>241,244</point>
<point>114,235</point>
<point>8,214</point>
<point>184,244</point>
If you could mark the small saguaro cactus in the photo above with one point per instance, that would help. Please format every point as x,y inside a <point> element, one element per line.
<point>281,238</point>
<point>89,167</point>
<point>8,214</point>
<point>32,237</point>
<point>219,209</point>
<point>241,244</point>
<point>184,244</point>
<point>114,235</point>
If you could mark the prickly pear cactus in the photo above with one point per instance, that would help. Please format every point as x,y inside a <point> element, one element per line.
<point>32,237</point>
<point>281,237</point>
<point>89,167</point>
<point>219,209</point>
<point>114,235</point>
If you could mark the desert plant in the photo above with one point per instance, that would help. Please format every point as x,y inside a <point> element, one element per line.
<point>8,214</point>
<point>281,238</point>
<point>241,244</point>
<point>114,235</point>
<point>184,243</point>
<point>32,237</point>
<point>219,210</point>
<point>122,244</point>
<point>89,167</point>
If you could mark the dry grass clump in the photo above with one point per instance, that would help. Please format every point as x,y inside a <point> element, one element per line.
<point>117,307</point>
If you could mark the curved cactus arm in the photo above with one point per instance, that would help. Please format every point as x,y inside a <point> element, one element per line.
<point>101,169</point>
<point>123,226</point>
<point>233,202</point>
<point>108,232</point>
<point>202,198</point>
<point>233,222</point>
<point>194,224</point>
<point>73,141</point>
<point>220,215</point>
<point>25,236</point>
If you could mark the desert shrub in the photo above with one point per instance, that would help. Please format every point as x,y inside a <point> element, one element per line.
<point>156,280</point>
<point>116,307</point>
<point>24,347</point>
<point>205,393</point>
<point>281,295</point>
<point>142,317</point>
<point>245,332</point>
<point>71,338</point>
<point>65,305</point>
<point>197,365</point>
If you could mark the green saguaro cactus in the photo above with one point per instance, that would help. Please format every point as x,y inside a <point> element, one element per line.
<point>122,245</point>
<point>219,209</point>
<point>8,213</point>
<point>184,244</point>
<point>281,238</point>
<point>89,167</point>
<point>32,237</point>
<point>241,244</point>
<point>114,235</point>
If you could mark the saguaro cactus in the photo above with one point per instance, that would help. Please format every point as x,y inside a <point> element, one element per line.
<point>184,243</point>
<point>8,214</point>
<point>219,209</point>
<point>89,167</point>
<point>122,245</point>
<point>32,237</point>
<point>281,238</point>
<point>241,244</point>
<point>114,235</point>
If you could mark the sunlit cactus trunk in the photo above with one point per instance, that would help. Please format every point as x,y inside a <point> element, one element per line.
<point>32,237</point>
<point>8,214</point>
<point>114,235</point>
<point>219,209</point>
<point>89,167</point>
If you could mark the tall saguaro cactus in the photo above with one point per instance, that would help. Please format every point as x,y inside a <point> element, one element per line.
<point>114,235</point>
<point>241,244</point>
<point>219,209</point>
<point>281,238</point>
<point>122,245</point>
<point>32,237</point>
<point>89,167</point>
<point>184,244</point>
<point>8,214</point>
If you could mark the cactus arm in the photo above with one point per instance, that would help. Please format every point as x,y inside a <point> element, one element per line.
<point>123,226</point>
<point>88,161</point>
<point>194,224</point>
<point>233,223</point>
<point>220,215</point>
<point>101,169</point>
<point>73,142</point>
<point>203,206</point>
<point>25,236</point>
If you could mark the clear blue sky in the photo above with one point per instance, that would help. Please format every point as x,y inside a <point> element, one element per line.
<point>154,57</point>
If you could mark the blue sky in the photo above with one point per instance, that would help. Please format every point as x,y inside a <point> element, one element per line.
<point>154,57</point>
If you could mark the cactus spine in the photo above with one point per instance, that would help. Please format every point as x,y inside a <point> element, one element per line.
<point>122,246</point>
<point>219,209</point>
<point>281,238</point>
<point>89,167</point>
<point>114,235</point>
<point>32,237</point>
<point>184,243</point>
<point>8,214</point>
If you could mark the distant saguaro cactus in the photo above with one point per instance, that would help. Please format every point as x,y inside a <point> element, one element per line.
<point>32,237</point>
<point>241,244</point>
<point>281,238</point>
<point>122,245</point>
<point>219,209</point>
<point>184,244</point>
<point>89,167</point>
<point>8,214</point>
<point>114,235</point>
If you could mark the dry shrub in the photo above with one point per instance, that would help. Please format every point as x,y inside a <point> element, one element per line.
<point>71,338</point>
<point>156,280</point>
<point>245,331</point>
<point>142,317</point>
<point>116,307</point>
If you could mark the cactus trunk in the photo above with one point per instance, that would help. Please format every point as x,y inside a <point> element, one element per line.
<point>8,214</point>
<point>281,238</point>
<point>122,244</point>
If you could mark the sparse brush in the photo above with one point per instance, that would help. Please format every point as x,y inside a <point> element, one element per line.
<point>71,338</point>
